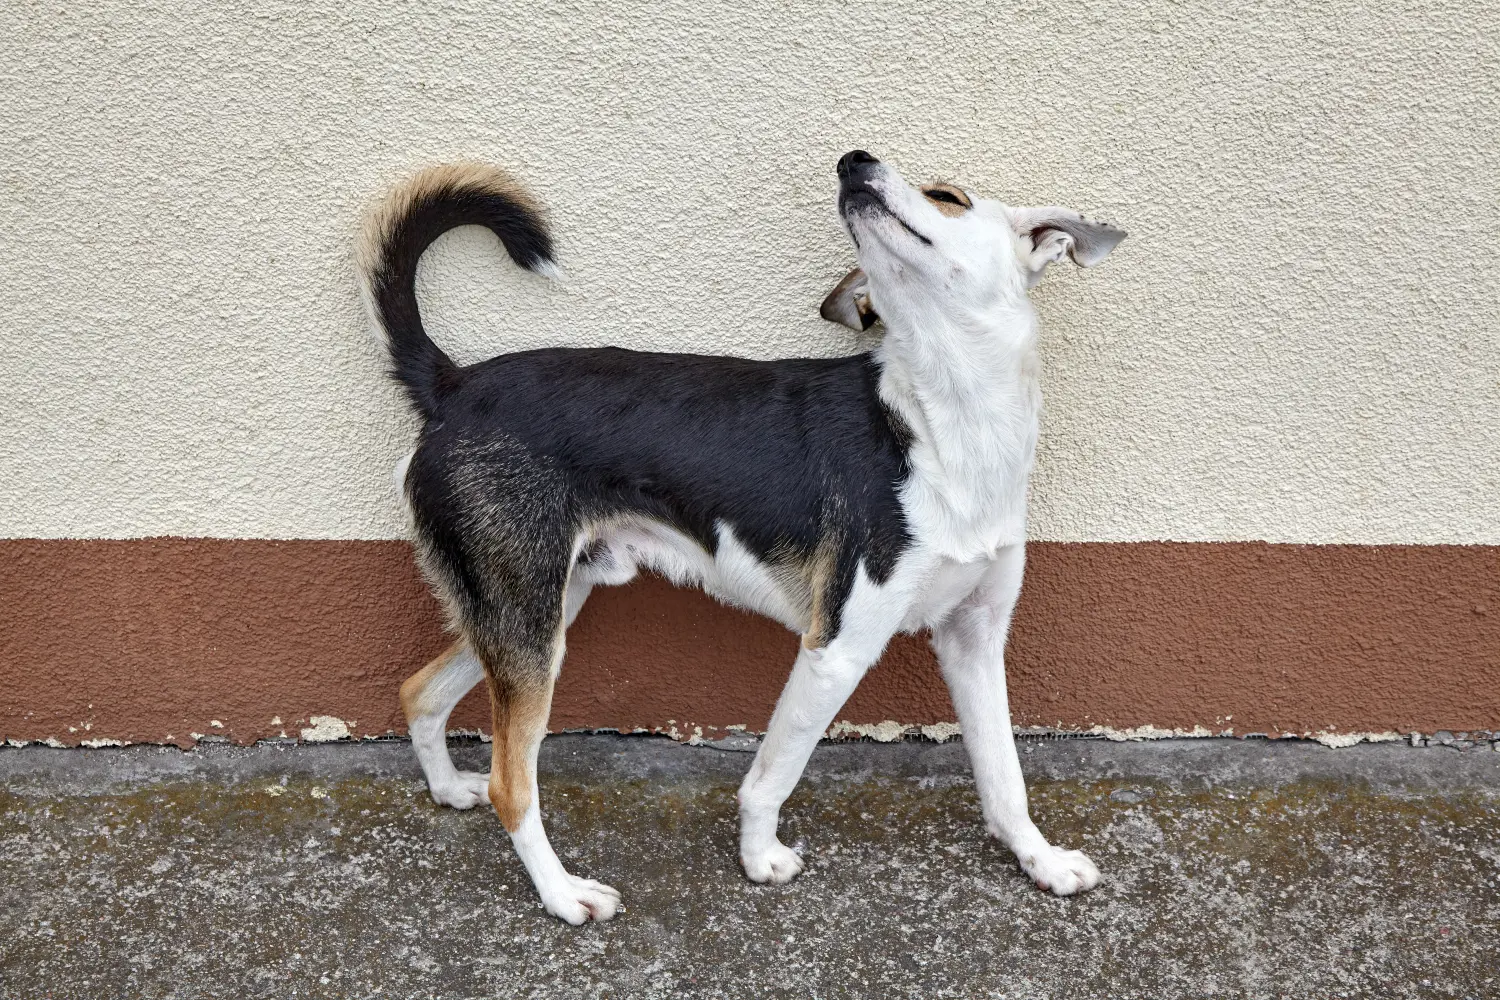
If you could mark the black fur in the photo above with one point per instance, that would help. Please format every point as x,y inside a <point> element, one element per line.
<point>792,454</point>
<point>521,453</point>
<point>416,362</point>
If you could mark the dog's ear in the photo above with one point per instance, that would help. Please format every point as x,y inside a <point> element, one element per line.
<point>849,302</point>
<point>1052,233</point>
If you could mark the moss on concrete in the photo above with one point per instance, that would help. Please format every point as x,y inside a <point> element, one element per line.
<point>279,873</point>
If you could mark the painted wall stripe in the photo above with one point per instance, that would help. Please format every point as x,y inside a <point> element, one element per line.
<point>159,639</point>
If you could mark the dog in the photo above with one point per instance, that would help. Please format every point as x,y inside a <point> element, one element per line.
<point>849,498</point>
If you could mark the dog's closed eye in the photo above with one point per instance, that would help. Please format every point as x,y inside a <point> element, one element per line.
<point>949,200</point>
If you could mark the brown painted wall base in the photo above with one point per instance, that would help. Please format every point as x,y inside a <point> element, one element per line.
<point>158,639</point>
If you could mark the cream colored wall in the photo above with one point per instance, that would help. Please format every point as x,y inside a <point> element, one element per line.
<point>1300,340</point>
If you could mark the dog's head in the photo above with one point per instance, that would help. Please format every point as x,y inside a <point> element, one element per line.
<point>938,252</point>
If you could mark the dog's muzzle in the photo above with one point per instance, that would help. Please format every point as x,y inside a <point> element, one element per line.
<point>854,164</point>
<point>855,170</point>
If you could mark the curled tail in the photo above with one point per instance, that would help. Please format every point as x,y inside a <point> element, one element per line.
<point>416,213</point>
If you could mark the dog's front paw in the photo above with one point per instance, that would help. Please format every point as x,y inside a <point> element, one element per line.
<point>1060,872</point>
<point>579,900</point>
<point>777,864</point>
<point>465,790</point>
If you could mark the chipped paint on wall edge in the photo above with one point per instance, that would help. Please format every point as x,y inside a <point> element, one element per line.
<point>330,729</point>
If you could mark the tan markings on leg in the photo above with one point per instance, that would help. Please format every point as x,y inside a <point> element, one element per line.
<point>520,718</point>
<point>819,572</point>
<point>414,702</point>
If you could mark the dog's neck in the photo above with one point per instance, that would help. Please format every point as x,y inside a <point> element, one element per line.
<point>969,388</point>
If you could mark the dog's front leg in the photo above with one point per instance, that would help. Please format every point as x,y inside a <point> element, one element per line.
<point>820,683</point>
<point>970,643</point>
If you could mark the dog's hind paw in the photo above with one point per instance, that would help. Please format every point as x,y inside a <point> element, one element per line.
<point>776,865</point>
<point>579,900</point>
<point>1060,872</point>
<point>465,790</point>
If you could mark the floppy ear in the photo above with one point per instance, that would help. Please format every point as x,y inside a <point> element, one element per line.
<point>849,302</point>
<point>1052,232</point>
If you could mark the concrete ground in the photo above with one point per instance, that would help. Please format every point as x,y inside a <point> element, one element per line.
<point>1231,869</point>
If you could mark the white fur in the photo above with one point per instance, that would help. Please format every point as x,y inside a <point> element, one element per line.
<point>732,574</point>
<point>970,643</point>
<point>568,897</point>
<point>448,785</point>
<point>820,683</point>
<point>960,367</point>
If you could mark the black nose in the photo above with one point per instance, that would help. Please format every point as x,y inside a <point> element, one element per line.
<point>851,161</point>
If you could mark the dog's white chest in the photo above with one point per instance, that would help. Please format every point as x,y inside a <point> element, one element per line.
<point>974,444</point>
<point>946,585</point>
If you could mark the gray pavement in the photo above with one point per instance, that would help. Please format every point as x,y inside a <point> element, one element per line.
<point>1232,868</point>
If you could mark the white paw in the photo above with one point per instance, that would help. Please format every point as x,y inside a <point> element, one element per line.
<point>579,900</point>
<point>465,790</point>
<point>777,864</point>
<point>1057,871</point>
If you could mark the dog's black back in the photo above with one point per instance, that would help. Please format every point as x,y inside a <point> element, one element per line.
<point>525,457</point>
<point>793,454</point>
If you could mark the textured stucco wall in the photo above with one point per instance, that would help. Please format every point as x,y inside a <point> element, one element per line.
<point>1299,342</point>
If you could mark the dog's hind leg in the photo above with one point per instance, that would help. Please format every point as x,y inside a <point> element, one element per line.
<point>521,698</point>
<point>427,699</point>
<point>970,644</point>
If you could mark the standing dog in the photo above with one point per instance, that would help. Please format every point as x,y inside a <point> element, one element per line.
<point>848,498</point>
